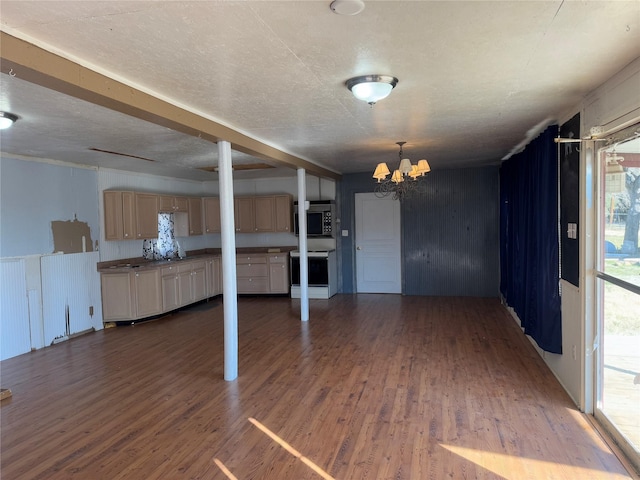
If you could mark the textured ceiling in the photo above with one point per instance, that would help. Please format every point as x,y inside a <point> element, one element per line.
<point>474,77</point>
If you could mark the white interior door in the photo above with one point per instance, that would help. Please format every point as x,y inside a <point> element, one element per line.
<point>378,256</point>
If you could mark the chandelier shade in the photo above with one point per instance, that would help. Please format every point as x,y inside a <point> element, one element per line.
<point>397,185</point>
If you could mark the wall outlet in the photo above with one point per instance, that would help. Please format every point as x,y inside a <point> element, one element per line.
<point>574,352</point>
<point>345,233</point>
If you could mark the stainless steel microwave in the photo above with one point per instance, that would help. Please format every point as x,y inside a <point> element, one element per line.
<point>320,218</point>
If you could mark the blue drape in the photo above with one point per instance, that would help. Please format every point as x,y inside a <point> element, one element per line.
<point>529,258</point>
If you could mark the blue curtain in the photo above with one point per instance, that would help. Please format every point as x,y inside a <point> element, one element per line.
<point>529,258</point>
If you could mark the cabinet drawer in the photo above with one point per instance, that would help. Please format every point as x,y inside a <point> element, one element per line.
<point>253,285</point>
<point>251,270</point>
<point>186,267</point>
<point>167,271</point>
<point>279,258</point>
<point>198,264</point>
<point>252,259</point>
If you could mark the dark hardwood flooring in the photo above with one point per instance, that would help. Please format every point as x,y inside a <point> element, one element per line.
<point>372,387</point>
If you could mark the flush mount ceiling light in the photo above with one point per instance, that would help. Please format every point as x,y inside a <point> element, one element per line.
<point>347,7</point>
<point>371,88</point>
<point>7,119</point>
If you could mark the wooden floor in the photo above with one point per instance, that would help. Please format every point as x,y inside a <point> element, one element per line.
<point>374,386</point>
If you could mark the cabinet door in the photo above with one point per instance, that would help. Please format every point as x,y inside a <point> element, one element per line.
<point>170,300</point>
<point>146,215</point>
<point>214,287</point>
<point>170,288</point>
<point>211,215</point>
<point>166,203</point>
<point>117,302</point>
<point>184,288</point>
<point>112,215</point>
<point>244,216</point>
<point>278,273</point>
<point>264,210</point>
<point>283,213</point>
<point>195,216</point>
<point>180,204</point>
<point>128,216</point>
<point>148,292</point>
<point>198,282</point>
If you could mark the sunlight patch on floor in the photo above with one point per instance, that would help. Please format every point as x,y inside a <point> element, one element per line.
<point>509,466</point>
<point>224,469</point>
<point>291,450</point>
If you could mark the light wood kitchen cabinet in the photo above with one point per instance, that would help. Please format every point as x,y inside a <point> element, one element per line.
<point>244,215</point>
<point>131,295</point>
<point>278,273</point>
<point>119,215</point>
<point>148,295</point>
<point>195,215</point>
<point>252,273</point>
<point>117,301</point>
<point>169,280</point>
<point>211,214</point>
<point>214,275</point>
<point>183,283</point>
<point>264,210</point>
<point>146,205</point>
<point>198,281</point>
<point>283,213</point>
<point>169,204</point>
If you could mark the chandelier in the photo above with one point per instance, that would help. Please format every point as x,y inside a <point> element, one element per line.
<point>406,180</point>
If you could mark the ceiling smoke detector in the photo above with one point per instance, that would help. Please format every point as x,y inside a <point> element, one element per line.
<point>347,7</point>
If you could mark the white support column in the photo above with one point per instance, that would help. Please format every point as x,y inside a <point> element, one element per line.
<point>302,240</point>
<point>228,238</point>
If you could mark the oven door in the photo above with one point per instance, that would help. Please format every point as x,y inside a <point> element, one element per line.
<point>318,271</point>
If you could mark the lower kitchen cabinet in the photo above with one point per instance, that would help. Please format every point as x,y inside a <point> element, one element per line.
<point>147,293</point>
<point>278,273</point>
<point>117,298</point>
<point>263,273</point>
<point>252,273</point>
<point>130,295</point>
<point>214,276</point>
<point>136,293</point>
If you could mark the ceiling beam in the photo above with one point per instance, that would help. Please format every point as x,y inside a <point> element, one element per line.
<point>37,65</point>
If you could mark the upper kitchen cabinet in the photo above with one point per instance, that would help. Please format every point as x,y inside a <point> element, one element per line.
<point>119,215</point>
<point>169,203</point>
<point>263,214</point>
<point>264,209</point>
<point>211,214</point>
<point>283,213</point>
<point>195,216</point>
<point>244,215</point>
<point>147,206</point>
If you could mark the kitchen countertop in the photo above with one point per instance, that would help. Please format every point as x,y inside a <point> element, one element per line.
<point>127,264</point>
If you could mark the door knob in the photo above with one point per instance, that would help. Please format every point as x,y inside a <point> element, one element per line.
<point>358,248</point>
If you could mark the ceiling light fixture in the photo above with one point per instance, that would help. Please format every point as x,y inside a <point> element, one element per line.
<point>398,185</point>
<point>371,88</point>
<point>347,7</point>
<point>7,119</point>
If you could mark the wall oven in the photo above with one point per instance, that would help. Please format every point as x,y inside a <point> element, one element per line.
<point>322,273</point>
<point>320,218</point>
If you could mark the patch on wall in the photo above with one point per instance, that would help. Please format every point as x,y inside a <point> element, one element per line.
<point>71,236</point>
